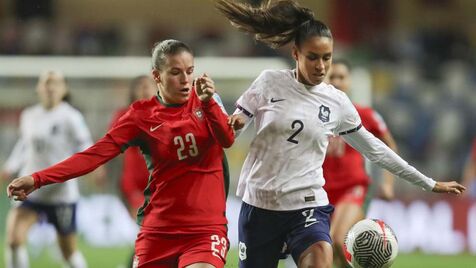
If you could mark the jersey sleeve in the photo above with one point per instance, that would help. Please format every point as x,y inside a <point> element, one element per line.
<point>379,153</point>
<point>249,101</point>
<point>88,160</point>
<point>217,122</point>
<point>16,159</point>
<point>80,132</point>
<point>349,120</point>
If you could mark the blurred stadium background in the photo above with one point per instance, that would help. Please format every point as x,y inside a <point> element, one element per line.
<point>414,62</point>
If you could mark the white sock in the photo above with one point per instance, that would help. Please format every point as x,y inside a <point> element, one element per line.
<point>77,260</point>
<point>16,258</point>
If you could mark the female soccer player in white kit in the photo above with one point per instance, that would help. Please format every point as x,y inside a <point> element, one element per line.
<point>294,113</point>
<point>50,132</point>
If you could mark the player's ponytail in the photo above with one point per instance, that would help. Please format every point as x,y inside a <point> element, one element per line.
<point>274,24</point>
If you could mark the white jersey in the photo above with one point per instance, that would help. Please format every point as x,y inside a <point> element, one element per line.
<point>46,138</point>
<point>283,169</point>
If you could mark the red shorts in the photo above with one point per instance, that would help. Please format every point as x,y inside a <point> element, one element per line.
<point>355,194</point>
<point>180,250</point>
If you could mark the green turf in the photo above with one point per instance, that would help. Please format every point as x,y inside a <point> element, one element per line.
<point>118,258</point>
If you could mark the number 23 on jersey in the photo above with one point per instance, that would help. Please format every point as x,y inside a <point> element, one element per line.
<point>186,146</point>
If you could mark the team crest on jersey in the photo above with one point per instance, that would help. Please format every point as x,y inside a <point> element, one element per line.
<point>242,251</point>
<point>324,113</point>
<point>199,113</point>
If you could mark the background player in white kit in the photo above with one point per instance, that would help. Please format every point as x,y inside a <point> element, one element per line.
<point>50,132</point>
<point>295,113</point>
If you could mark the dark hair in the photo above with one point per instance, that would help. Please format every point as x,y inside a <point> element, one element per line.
<point>274,24</point>
<point>346,63</point>
<point>165,48</point>
<point>136,81</point>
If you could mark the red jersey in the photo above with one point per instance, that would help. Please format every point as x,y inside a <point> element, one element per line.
<point>345,166</point>
<point>184,146</point>
<point>135,174</point>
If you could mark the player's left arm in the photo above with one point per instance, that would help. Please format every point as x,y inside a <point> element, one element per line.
<point>214,113</point>
<point>379,128</point>
<point>376,151</point>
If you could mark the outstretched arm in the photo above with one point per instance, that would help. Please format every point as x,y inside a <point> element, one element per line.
<point>77,165</point>
<point>376,151</point>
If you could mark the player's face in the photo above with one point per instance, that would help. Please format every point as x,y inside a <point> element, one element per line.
<point>339,77</point>
<point>175,78</point>
<point>145,89</point>
<point>313,59</point>
<point>51,89</point>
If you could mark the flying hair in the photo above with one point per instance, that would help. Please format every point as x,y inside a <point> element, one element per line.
<point>275,23</point>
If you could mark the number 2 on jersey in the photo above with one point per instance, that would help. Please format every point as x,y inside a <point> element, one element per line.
<point>187,143</point>
<point>300,126</point>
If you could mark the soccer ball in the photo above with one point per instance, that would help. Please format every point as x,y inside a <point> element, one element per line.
<point>370,243</point>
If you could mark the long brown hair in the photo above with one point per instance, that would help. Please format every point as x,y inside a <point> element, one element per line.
<point>274,23</point>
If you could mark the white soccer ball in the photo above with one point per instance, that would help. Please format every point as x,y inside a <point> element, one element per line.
<point>371,243</point>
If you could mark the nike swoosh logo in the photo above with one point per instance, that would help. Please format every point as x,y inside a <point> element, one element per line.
<point>310,223</point>
<point>273,100</point>
<point>152,129</point>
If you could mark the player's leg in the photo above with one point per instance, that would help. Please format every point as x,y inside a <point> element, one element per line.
<point>63,218</point>
<point>68,246</point>
<point>319,255</point>
<point>348,211</point>
<point>19,221</point>
<point>261,236</point>
<point>309,239</point>
<point>346,215</point>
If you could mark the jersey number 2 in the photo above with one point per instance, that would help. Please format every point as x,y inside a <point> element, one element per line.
<point>300,126</point>
<point>188,142</point>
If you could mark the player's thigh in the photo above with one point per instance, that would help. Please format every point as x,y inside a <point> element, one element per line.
<point>311,226</point>
<point>67,244</point>
<point>19,222</point>
<point>346,214</point>
<point>200,265</point>
<point>261,236</point>
<point>318,255</point>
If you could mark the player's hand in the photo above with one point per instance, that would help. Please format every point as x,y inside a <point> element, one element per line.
<point>450,187</point>
<point>205,87</point>
<point>236,121</point>
<point>386,191</point>
<point>19,188</point>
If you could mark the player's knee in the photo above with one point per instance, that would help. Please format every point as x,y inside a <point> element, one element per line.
<point>13,242</point>
<point>318,255</point>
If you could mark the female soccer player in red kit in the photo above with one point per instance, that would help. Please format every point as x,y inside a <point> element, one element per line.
<point>182,133</point>
<point>347,181</point>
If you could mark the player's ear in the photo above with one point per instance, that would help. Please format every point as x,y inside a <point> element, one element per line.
<point>156,76</point>
<point>294,53</point>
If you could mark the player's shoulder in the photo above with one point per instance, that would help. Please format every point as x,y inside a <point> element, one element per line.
<point>275,75</point>
<point>36,108</point>
<point>143,105</point>
<point>333,92</point>
<point>68,110</point>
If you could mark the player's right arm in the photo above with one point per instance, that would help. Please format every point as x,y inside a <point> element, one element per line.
<point>17,158</point>
<point>80,163</point>
<point>247,106</point>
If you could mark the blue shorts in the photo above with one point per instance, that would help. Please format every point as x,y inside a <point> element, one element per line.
<point>263,233</point>
<point>62,216</point>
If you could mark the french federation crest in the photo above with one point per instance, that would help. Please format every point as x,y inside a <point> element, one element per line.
<point>324,113</point>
